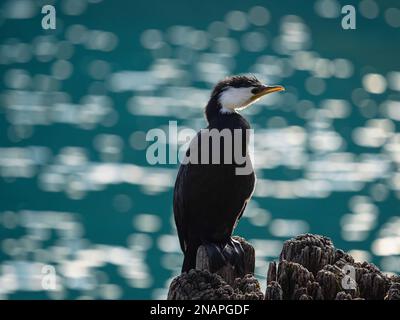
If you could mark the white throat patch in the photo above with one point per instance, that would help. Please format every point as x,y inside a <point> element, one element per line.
<point>235,98</point>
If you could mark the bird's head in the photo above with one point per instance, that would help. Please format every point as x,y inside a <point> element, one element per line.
<point>236,93</point>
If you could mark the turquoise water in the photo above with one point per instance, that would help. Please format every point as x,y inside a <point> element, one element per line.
<point>77,192</point>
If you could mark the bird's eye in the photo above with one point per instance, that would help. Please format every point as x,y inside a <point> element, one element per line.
<point>255,90</point>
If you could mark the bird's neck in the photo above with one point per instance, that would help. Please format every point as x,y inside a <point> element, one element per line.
<point>214,110</point>
<point>217,118</point>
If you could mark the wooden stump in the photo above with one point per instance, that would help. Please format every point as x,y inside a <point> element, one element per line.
<point>228,272</point>
<point>310,267</point>
<point>225,284</point>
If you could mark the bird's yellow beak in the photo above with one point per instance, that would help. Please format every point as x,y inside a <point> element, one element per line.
<point>268,89</point>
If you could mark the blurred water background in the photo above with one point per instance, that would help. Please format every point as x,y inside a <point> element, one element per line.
<point>76,191</point>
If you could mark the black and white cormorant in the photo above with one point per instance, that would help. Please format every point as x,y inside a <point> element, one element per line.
<point>209,199</point>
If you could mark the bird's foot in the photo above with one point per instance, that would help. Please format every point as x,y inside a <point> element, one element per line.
<point>220,254</point>
<point>234,252</point>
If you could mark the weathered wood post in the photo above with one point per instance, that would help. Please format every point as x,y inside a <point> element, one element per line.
<point>224,284</point>
<point>311,268</point>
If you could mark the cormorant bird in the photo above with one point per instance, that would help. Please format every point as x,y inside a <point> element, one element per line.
<point>209,198</point>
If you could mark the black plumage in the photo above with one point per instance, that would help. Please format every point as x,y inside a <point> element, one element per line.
<point>209,199</point>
